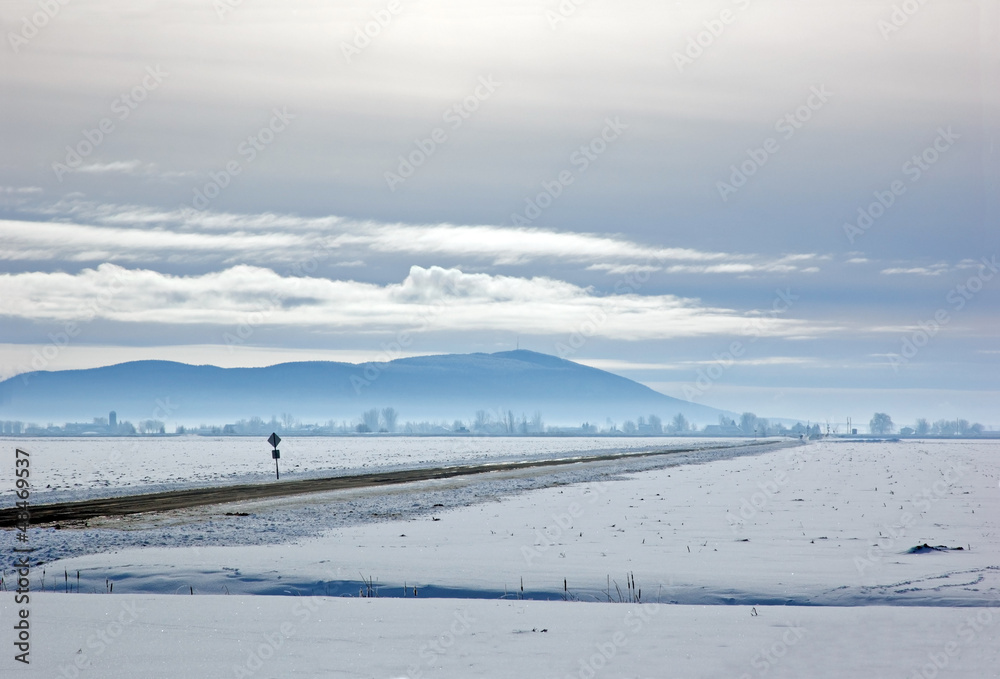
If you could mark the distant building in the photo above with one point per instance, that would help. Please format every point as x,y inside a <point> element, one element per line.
<point>112,420</point>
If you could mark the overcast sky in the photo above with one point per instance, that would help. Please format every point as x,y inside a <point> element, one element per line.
<point>789,207</point>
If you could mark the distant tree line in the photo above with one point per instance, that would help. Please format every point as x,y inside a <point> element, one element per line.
<point>496,422</point>
<point>881,424</point>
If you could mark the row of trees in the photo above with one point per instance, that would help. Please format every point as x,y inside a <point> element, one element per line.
<point>384,420</point>
<point>881,424</point>
<point>654,425</point>
<point>751,425</point>
<point>748,425</point>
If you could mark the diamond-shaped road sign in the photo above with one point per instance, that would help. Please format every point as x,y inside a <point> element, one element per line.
<point>274,440</point>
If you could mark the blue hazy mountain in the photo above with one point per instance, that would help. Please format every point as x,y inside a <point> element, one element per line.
<point>435,388</point>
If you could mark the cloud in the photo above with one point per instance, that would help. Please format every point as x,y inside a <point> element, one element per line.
<point>618,365</point>
<point>620,269</point>
<point>133,168</point>
<point>137,234</point>
<point>785,264</point>
<point>122,166</point>
<point>427,299</point>
<point>932,270</point>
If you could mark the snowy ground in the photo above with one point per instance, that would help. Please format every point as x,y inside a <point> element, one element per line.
<point>175,637</point>
<point>80,468</point>
<point>826,525</point>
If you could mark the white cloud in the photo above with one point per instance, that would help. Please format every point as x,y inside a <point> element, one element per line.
<point>427,299</point>
<point>620,269</point>
<point>932,270</point>
<point>617,365</point>
<point>121,166</point>
<point>128,233</point>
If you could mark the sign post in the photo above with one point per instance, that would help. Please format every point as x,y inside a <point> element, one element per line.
<point>274,440</point>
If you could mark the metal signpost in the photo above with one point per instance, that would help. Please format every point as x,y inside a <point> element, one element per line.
<point>274,440</point>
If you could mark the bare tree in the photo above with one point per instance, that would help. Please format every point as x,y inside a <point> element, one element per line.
<point>679,423</point>
<point>482,421</point>
<point>151,427</point>
<point>922,427</point>
<point>370,419</point>
<point>748,422</point>
<point>726,421</point>
<point>655,424</point>
<point>389,418</point>
<point>881,424</point>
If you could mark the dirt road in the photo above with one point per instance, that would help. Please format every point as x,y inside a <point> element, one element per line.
<point>195,497</point>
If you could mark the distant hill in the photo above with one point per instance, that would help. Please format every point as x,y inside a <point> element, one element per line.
<point>435,388</point>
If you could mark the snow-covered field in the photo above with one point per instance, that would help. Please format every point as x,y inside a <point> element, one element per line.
<point>789,563</point>
<point>79,468</point>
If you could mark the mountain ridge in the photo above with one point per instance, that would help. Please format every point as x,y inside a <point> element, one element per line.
<point>436,387</point>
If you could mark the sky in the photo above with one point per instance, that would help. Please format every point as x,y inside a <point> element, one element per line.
<point>786,207</point>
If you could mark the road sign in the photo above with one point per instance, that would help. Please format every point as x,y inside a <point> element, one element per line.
<point>274,440</point>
